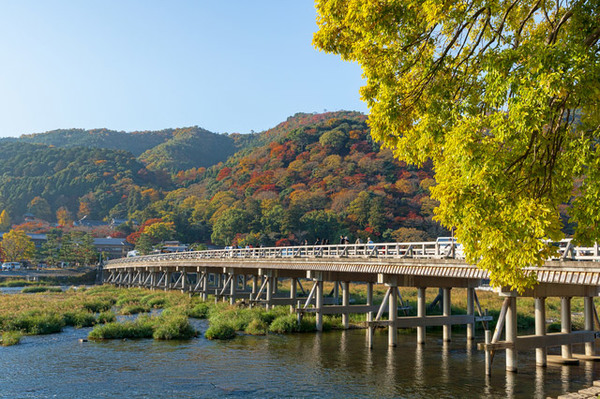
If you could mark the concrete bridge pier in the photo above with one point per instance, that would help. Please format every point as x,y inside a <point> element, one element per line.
<point>346,303</point>
<point>204,278</point>
<point>588,313</point>
<point>421,308</point>
<point>168,277</point>
<point>254,287</point>
<point>541,354</point>
<point>447,309</point>
<point>393,315</point>
<point>471,312</point>
<point>511,334</point>
<point>233,285</point>
<point>370,327</point>
<point>318,278</point>
<point>153,280</point>
<point>185,284</point>
<point>269,288</point>
<point>565,326</point>
<point>293,292</point>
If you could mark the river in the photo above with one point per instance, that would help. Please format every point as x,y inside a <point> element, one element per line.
<point>329,365</point>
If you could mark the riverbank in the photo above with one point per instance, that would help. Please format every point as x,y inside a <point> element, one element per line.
<point>56,276</point>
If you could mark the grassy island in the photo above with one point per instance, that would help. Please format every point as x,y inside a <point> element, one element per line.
<point>165,315</point>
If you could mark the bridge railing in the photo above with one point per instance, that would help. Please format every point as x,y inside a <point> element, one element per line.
<point>367,250</point>
<point>443,249</point>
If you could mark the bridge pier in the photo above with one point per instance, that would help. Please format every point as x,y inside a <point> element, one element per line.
<point>204,278</point>
<point>511,334</point>
<point>471,312</point>
<point>447,309</point>
<point>345,303</point>
<point>565,325</point>
<point>421,313</point>
<point>293,292</point>
<point>319,304</point>
<point>541,354</point>
<point>234,280</point>
<point>588,314</point>
<point>393,315</point>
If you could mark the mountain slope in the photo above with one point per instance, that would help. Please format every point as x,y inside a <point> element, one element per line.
<point>134,142</point>
<point>189,148</point>
<point>67,177</point>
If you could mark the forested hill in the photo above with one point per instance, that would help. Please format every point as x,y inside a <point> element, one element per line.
<point>168,149</point>
<point>41,179</point>
<point>134,142</point>
<point>192,148</point>
<point>314,175</point>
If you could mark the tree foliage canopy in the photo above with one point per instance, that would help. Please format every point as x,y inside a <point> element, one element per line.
<point>16,245</point>
<point>503,96</point>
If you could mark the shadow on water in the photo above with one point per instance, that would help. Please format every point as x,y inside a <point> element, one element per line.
<point>335,364</point>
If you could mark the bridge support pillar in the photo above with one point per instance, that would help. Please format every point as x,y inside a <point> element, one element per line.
<point>253,293</point>
<point>588,311</point>
<point>205,285</point>
<point>319,304</point>
<point>345,303</point>
<point>168,277</point>
<point>541,354</point>
<point>511,333</point>
<point>292,292</point>
<point>471,312</point>
<point>232,288</point>
<point>268,288</point>
<point>153,280</point>
<point>393,315</point>
<point>421,313</point>
<point>565,325</point>
<point>184,282</point>
<point>447,328</point>
<point>370,328</point>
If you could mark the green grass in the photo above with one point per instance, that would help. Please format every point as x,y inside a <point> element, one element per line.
<point>10,338</point>
<point>128,329</point>
<point>220,331</point>
<point>163,327</point>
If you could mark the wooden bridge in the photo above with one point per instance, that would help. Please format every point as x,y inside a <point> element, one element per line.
<point>252,274</point>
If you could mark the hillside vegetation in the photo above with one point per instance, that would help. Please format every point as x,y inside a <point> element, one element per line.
<point>312,176</point>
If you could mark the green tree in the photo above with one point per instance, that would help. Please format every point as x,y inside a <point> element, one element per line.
<point>78,247</point>
<point>321,224</point>
<point>160,231</point>
<point>230,223</point>
<point>16,246</point>
<point>502,96</point>
<point>50,250</point>
<point>144,244</point>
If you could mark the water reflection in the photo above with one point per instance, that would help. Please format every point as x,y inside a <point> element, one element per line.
<point>444,364</point>
<point>540,373</point>
<point>510,385</point>
<point>335,364</point>
<point>419,366</point>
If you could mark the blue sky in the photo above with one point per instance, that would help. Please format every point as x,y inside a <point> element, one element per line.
<point>227,66</point>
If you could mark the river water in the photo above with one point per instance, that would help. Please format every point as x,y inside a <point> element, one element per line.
<point>329,365</point>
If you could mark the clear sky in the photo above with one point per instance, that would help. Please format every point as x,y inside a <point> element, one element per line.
<point>224,65</point>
